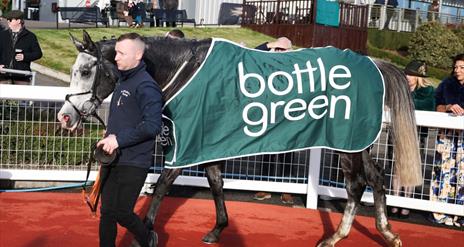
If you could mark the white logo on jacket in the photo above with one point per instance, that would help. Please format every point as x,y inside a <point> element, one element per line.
<point>124,93</point>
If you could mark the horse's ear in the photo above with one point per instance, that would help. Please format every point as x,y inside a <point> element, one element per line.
<point>88,43</point>
<point>80,47</point>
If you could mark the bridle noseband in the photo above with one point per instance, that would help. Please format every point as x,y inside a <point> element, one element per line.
<point>89,107</point>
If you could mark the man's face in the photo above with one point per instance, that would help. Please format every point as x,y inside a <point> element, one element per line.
<point>127,54</point>
<point>459,70</point>
<point>14,23</point>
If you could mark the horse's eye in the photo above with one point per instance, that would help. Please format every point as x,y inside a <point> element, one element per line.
<point>85,73</point>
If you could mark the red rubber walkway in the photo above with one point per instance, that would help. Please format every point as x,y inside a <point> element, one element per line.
<point>61,219</point>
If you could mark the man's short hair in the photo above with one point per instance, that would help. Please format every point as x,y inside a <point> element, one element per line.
<point>135,37</point>
<point>175,34</point>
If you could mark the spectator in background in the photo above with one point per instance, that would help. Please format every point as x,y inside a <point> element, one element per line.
<point>433,10</point>
<point>447,184</point>
<point>122,10</point>
<point>3,23</point>
<point>277,162</point>
<point>140,13</point>
<point>421,90</point>
<point>18,48</point>
<point>280,44</point>
<point>423,96</point>
<point>132,12</point>
<point>170,6</point>
<point>156,9</point>
<point>423,93</point>
<point>391,5</point>
<point>175,34</point>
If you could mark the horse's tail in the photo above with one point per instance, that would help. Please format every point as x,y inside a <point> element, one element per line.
<point>403,122</point>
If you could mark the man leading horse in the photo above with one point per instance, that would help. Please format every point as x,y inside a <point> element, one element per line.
<point>93,76</point>
<point>133,123</point>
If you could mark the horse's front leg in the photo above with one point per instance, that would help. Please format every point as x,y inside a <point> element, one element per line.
<point>355,185</point>
<point>216,184</point>
<point>375,178</point>
<point>163,185</point>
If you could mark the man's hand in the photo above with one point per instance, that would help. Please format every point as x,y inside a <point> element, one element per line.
<point>109,144</point>
<point>1,67</point>
<point>456,109</point>
<point>19,57</point>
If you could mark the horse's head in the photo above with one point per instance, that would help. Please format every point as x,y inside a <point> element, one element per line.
<point>93,78</point>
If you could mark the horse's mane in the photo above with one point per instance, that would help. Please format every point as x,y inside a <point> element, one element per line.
<point>164,57</point>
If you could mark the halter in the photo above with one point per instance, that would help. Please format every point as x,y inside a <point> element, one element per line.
<point>89,107</point>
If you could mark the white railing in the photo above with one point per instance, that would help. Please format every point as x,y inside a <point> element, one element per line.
<point>310,169</point>
<point>408,20</point>
<point>21,72</point>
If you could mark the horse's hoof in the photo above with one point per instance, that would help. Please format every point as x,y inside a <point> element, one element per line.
<point>396,242</point>
<point>210,238</point>
<point>325,244</point>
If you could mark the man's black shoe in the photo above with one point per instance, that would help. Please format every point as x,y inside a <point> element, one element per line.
<point>153,242</point>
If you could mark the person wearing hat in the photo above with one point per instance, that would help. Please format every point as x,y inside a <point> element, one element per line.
<point>421,89</point>
<point>18,48</point>
<point>422,93</point>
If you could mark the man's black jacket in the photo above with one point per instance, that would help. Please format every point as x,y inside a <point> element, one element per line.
<point>26,41</point>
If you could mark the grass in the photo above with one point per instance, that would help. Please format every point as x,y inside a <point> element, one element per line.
<point>59,52</point>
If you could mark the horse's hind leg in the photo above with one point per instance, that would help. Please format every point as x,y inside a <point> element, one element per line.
<point>163,184</point>
<point>355,185</point>
<point>375,178</point>
<point>216,184</point>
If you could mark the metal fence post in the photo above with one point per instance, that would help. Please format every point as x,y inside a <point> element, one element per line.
<point>33,74</point>
<point>400,19</point>
<point>369,13</point>
<point>313,178</point>
<point>383,16</point>
<point>417,20</point>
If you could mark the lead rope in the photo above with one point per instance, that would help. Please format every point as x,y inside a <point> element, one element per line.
<point>88,199</point>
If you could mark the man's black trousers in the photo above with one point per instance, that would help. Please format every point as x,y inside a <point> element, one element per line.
<point>121,188</point>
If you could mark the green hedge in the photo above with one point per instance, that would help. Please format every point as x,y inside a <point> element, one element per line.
<point>23,143</point>
<point>435,44</point>
<point>387,45</point>
<point>460,34</point>
<point>389,39</point>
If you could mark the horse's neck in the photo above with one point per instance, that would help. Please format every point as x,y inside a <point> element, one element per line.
<point>166,58</point>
